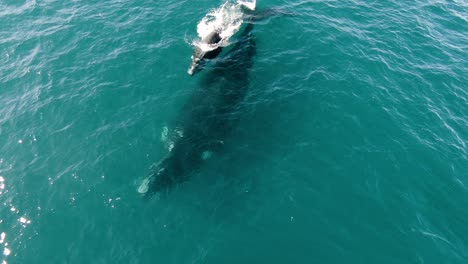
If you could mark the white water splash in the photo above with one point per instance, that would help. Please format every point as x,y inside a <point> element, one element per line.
<point>2,184</point>
<point>248,4</point>
<point>227,20</point>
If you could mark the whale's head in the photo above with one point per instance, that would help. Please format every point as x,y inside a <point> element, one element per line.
<point>208,48</point>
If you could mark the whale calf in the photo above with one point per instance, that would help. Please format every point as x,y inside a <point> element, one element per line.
<point>207,118</point>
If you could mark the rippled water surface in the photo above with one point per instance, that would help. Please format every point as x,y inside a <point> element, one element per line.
<point>351,144</point>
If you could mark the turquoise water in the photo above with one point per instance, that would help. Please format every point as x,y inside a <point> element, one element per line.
<point>351,143</point>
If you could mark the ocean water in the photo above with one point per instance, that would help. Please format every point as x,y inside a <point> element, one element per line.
<point>350,144</point>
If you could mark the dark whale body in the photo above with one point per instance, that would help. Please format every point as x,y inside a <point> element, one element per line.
<point>207,118</point>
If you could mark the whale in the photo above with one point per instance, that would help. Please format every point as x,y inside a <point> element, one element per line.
<point>207,118</point>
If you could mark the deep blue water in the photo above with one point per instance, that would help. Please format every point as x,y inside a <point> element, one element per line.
<point>349,146</point>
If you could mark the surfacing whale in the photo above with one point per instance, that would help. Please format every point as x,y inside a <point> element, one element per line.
<point>207,118</point>
<point>215,31</point>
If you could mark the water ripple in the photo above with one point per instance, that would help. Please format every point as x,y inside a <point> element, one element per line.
<point>353,107</point>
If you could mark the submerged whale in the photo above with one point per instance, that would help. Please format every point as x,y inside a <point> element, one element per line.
<point>215,30</point>
<point>207,118</point>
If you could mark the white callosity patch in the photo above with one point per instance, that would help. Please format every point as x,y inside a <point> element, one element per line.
<point>168,137</point>
<point>226,20</point>
<point>165,139</point>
